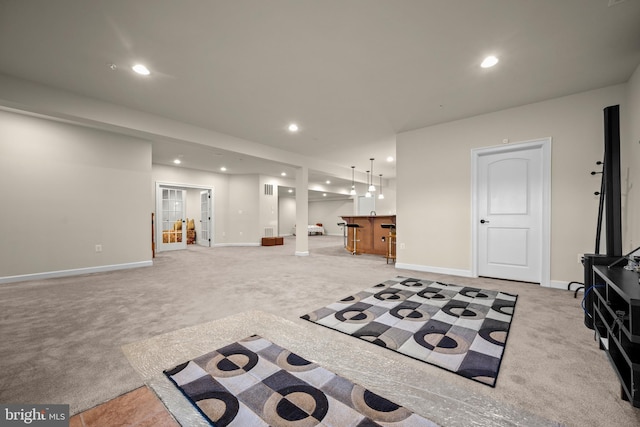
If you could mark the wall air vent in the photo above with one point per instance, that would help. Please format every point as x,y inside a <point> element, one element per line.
<point>268,189</point>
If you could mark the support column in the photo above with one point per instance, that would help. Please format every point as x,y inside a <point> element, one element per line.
<point>302,211</point>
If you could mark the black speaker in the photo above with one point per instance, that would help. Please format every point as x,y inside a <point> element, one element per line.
<point>613,211</point>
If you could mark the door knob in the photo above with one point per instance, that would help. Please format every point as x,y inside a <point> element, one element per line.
<point>482,221</point>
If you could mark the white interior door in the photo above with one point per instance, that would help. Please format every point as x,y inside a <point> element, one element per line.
<point>204,238</point>
<point>172,225</point>
<point>510,213</point>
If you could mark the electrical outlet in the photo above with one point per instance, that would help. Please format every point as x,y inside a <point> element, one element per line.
<point>98,248</point>
<point>402,246</point>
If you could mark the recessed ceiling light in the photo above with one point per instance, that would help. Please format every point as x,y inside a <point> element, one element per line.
<point>283,174</point>
<point>324,194</point>
<point>290,191</point>
<point>390,159</point>
<point>141,69</point>
<point>328,182</point>
<point>223,169</point>
<point>177,161</point>
<point>489,62</point>
<point>293,127</point>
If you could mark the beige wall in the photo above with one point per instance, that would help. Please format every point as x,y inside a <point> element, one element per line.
<point>244,209</point>
<point>630,167</point>
<point>329,214</point>
<point>434,180</point>
<point>268,206</point>
<point>286,215</point>
<point>66,189</point>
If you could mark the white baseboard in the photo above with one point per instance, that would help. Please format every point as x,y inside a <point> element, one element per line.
<point>553,284</point>
<point>219,245</point>
<point>560,284</point>
<point>302,253</point>
<point>73,272</point>
<point>429,269</point>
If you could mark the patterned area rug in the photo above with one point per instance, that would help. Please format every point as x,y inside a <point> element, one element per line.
<point>461,329</point>
<point>254,382</point>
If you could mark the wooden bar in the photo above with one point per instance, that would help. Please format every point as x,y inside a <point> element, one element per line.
<point>370,233</point>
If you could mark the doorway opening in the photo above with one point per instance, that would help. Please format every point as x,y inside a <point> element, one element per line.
<point>184,215</point>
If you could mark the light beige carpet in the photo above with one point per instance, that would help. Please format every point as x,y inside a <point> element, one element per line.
<point>62,338</point>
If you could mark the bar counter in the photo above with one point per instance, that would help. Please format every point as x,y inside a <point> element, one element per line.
<point>370,233</point>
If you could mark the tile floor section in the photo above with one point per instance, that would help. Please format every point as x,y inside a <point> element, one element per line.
<point>138,408</point>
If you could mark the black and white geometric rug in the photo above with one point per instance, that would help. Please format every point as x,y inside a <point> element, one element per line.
<point>254,382</point>
<point>458,328</point>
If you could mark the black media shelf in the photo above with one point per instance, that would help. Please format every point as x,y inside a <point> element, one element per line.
<point>616,316</point>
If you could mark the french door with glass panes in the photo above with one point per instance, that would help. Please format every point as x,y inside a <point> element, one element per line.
<point>204,237</point>
<point>171,219</point>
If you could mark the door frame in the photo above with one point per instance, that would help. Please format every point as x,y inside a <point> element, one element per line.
<point>210,209</point>
<point>543,144</point>
<point>186,187</point>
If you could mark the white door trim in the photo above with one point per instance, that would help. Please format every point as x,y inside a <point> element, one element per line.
<point>184,186</point>
<point>543,144</point>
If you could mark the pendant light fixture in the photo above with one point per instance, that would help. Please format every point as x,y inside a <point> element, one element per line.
<point>372,187</point>
<point>353,182</point>
<point>368,193</point>
<point>380,196</point>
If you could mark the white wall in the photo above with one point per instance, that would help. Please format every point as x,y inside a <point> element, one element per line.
<point>244,209</point>
<point>268,206</point>
<point>434,182</point>
<point>329,214</point>
<point>630,166</point>
<point>286,215</point>
<point>66,189</point>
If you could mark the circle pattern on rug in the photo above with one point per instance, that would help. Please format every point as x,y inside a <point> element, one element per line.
<point>232,364</point>
<point>354,315</point>
<point>377,407</point>
<point>221,408</point>
<point>446,343</point>
<point>381,340</point>
<point>504,307</point>
<point>412,283</point>
<point>433,293</point>
<point>390,295</point>
<point>294,363</point>
<point>495,335</point>
<point>296,405</point>
<point>463,311</point>
<point>409,313</point>
<point>473,293</point>
<point>351,299</point>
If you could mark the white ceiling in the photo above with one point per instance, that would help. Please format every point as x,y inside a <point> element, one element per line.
<point>351,73</point>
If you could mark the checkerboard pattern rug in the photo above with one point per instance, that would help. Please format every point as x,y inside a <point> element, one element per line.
<point>254,382</point>
<point>458,328</point>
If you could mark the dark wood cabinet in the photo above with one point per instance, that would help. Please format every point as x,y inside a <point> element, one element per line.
<point>616,316</point>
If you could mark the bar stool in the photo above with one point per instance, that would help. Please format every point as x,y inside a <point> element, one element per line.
<point>355,239</point>
<point>391,241</point>
<point>344,233</point>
